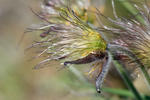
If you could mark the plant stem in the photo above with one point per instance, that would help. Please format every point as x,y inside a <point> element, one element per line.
<point>126,79</point>
<point>77,73</point>
<point>146,75</point>
<point>132,10</point>
<point>123,92</point>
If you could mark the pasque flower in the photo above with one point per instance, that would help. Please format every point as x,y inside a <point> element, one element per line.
<point>67,36</point>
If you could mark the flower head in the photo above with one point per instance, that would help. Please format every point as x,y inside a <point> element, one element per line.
<point>66,36</point>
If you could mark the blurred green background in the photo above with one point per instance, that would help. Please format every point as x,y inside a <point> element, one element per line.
<point>18,81</point>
